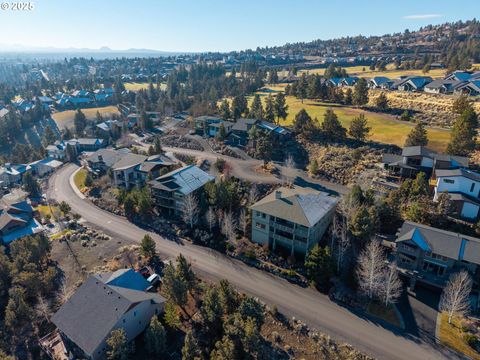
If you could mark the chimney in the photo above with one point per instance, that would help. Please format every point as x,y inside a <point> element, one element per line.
<point>278,194</point>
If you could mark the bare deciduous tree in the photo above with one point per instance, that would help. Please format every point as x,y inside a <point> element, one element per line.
<point>190,210</point>
<point>392,286</point>
<point>290,167</point>
<point>211,218</point>
<point>253,195</point>
<point>455,299</point>
<point>64,293</point>
<point>243,221</point>
<point>370,269</point>
<point>43,308</point>
<point>228,226</point>
<point>340,242</point>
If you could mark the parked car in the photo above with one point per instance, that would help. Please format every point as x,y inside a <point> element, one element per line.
<point>154,279</point>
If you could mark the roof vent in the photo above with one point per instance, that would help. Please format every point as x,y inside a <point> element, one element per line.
<point>278,194</point>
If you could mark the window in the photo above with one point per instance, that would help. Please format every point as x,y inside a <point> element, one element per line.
<point>260,225</point>
<point>472,187</point>
<point>134,313</point>
<point>449,181</point>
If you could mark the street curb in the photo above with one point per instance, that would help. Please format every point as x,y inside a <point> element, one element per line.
<point>437,327</point>
<point>73,186</point>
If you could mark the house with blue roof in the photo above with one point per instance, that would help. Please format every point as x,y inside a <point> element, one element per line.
<point>469,88</point>
<point>169,191</point>
<point>430,255</point>
<point>414,83</point>
<point>17,221</point>
<point>379,82</point>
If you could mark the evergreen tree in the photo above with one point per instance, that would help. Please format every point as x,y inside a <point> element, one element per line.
<point>269,109</point>
<point>360,92</point>
<point>251,308</point>
<point>332,127</point>
<point>80,122</point>
<point>157,145</point>
<point>319,265</point>
<point>239,106</point>
<point>461,104</point>
<point>361,224</point>
<point>119,348</point>
<point>148,247</point>
<point>313,167</point>
<point>185,272</point>
<point>212,312</point>
<point>225,110</point>
<point>256,110</point>
<point>174,286</point>
<point>463,135</point>
<point>171,316</point>
<point>228,297</point>
<point>303,123</point>
<point>280,107</point>
<point>381,102</point>
<point>189,348</point>
<point>302,87</point>
<point>50,136</point>
<point>358,128</point>
<point>31,185</point>
<point>417,136</point>
<point>155,337</point>
<point>348,98</point>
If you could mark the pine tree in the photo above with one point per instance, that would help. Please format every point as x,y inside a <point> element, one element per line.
<point>417,136</point>
<point>155,337</point>
<point>319,265</point>
<point>348,98</point>
<point>269,109</point>
<point>30,184</point>
<point>358,128</point>
<point>360,92</point>
<point>381,102</point>
<point>189,348</point>
<point>463,135</point>
<point>184,271</point>
<point>120,349</point>
<point>256,110</point>
<point>280,107</point>
<point>303,123</point>
<point>225,110</point>
<point>80,122</point>
<point>332,127</point>
<point>313,167</point>
<point>148,247</point>
<point>302,87</point>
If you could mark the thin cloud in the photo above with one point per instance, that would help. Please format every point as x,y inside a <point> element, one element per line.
<point>422,16</point>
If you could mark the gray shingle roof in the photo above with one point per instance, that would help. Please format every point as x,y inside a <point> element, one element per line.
<point>449,244</point>
<point>458,172</point>
<point>303,206</point>
<point>128,161</point>
<point>184,180</point>
<point>89,316</point>
<point>109,157</point>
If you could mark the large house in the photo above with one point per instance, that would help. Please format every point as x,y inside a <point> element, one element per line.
<point>59,149</point>
<point>16,221</point>
<point>415,159</point>
<point>292,219</point>
<point>442,86</point>
<point>463,188</point>
<point>241,128</point>
<point>106,302</point>
<point>431,255</point>
<point>211,125</point>
<point>102,160</point>
<point>414,83</point>
<point>380,82</point>
<point>12,174</point>
<point>169,191</point>
<point>133,170</point>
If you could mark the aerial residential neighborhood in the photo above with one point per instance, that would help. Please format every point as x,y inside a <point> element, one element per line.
<point>265,180</point>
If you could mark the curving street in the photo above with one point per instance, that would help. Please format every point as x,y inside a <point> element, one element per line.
<point>305,304</point>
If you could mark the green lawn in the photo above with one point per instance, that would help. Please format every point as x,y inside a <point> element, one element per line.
<point>452,336</point>
<point>387,314</point>
<point>384,128</point>
<point>79,178</point>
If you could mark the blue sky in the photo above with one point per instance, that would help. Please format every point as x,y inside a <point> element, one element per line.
<point>217,25</point>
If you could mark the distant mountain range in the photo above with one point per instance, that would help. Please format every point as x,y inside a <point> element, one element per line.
<point>104,50</point>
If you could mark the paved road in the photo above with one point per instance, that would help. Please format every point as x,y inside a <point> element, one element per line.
<point>245,169</point>
<point>305,304</point>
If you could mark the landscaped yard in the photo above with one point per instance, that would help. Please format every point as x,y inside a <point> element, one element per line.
<point>452,336</point>
<point>79,178</point>
<point>387,314</point>
<point>64,119</point>
<point>384,128</point>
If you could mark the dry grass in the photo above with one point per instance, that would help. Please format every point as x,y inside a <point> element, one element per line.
<point>364,71</point>
<point>452,336</point>
<point>136,86</point>
<point>64,119</point>
<point>384,128</point>
<point>79,178</point>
